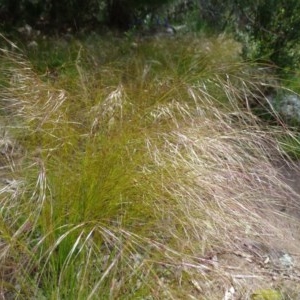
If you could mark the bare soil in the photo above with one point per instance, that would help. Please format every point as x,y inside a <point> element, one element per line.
<point>272,261</point>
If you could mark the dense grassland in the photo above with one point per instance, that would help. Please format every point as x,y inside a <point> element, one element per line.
<point>131,166</point>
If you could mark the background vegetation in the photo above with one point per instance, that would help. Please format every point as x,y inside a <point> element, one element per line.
<point>268,29</point>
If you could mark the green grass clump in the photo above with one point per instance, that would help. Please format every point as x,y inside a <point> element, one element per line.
<point>131,167</point>
<point>267,295</point>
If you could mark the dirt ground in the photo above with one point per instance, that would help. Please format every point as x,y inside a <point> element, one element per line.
<point>271,261</point>
<point>291,175</point>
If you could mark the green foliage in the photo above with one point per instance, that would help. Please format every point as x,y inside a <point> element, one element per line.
<point>268,29</point>
<point>275,31</point>
<point>50,14</point>
<point>267,294</point>
<point>75,15</point>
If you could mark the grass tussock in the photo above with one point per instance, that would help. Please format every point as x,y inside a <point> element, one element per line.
<point>134,170</point>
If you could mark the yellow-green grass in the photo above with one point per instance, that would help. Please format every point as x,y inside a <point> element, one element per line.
<point>132,167</point>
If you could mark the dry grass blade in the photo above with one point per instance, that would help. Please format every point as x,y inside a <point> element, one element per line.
<point>151,183</point>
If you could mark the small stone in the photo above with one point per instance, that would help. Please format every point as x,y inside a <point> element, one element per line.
<point>33,45</point>
<point>286,260</point>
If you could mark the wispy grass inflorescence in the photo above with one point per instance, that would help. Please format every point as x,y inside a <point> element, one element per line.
<point>142,183</point>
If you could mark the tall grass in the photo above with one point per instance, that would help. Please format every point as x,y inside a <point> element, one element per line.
<point>134,169</point>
